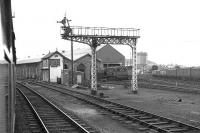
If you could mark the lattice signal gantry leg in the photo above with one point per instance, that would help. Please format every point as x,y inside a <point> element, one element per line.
<point>134,86</point>
<point>93,72</point>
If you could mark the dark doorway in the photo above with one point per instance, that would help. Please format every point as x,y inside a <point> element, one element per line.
<point>65,66</point>
<point>81,68</point>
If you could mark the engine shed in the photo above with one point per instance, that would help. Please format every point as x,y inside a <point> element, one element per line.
<point>29,69</point>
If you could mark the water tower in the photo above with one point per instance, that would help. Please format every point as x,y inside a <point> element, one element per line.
<point>141,60</point>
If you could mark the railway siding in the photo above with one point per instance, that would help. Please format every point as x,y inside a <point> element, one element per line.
<point>142,117</point>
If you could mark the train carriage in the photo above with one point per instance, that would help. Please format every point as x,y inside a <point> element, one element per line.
<point>183,73</point>
<point>180,73</point>
<point>7,68</point>
<point>171,73</point>
<point>156,73</point>
<point>121,73</point>
<point>195,73</point>
<point>162,73</point>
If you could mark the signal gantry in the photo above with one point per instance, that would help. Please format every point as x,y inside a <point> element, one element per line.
<point>95,36</point>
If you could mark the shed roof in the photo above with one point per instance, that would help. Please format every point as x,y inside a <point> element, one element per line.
<point>48,55</point>
<point>27,61</point>
<point>3,62</point>
<point>78,54</point>
<point>75,55</point>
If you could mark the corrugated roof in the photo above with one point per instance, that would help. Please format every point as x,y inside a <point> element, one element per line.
<point>78,53</point>
<point>26,61</point>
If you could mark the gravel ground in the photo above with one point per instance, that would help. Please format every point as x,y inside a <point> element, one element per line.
<point>95,117</point>
<point>176,105</point>
<point>181,106</point>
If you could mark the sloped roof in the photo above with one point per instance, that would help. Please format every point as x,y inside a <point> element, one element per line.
<point>86,55</point>
<point>3,62</point>
<point>48,55</point>
<point>26,61</point>
<point>75,55</point>
<point>78,53</point>
<point>111,46</point>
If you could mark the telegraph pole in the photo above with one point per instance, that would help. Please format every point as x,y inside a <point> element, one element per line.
<point>72,60</point>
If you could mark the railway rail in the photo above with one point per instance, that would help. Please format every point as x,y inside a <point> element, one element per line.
<point>127,114</point>
<point>44,116</point>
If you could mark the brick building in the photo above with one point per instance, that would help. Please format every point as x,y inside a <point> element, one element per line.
<point>110,57</point>
<point>83,64</point>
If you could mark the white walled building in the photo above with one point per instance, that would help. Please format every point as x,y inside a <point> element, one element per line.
<point>52,64</point>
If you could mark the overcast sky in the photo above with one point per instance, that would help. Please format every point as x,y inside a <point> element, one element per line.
<point>169,29</point>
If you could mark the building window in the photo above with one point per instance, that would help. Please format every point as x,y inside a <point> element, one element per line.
<point>113,65</point>
<point>105,65</point>
<point>110,65</point>
<point>55,62</point>
<point>65,66</point>
<point>81,67</point>
<point>45,63</point>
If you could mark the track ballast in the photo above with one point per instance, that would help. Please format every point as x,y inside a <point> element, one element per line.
<point>128,114</point>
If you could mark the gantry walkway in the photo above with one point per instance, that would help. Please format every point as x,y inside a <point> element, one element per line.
<point>103,35</point>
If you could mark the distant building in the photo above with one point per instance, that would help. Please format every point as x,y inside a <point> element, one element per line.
<point>142,58</point>
<point>110,57</point>
<point>142,62</point>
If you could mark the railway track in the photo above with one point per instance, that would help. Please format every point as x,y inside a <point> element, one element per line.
<point>128,114</point>
<point>43,116</point>
<point>30,117</point>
